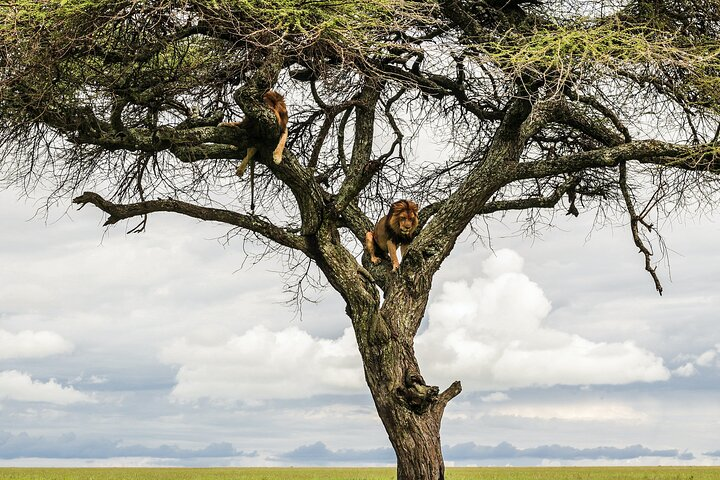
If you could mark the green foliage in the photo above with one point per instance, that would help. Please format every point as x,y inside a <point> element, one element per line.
<point>588,50</point>
<point>331,18</point>
<point>264,21</point>
<point>77,52</point>
<point>105,76</point>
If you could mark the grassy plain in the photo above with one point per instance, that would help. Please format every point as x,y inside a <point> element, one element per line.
<point>483,473</point>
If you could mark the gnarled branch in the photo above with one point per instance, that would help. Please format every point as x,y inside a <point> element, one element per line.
<point>118,212</point>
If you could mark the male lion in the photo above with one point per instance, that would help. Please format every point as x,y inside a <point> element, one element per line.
<point>276,103</point>
<point>396,228</point>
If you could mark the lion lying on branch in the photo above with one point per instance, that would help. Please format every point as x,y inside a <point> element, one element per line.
<point>276,103</point>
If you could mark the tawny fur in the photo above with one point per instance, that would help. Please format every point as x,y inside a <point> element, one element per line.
<point>397,228</point>
<point>276,103</point>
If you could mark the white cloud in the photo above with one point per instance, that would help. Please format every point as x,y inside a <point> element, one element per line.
<point>261,364</point>
<point>709,358</point>
<point>495,397</point>
<point>489,334</point>
<point>21,387</point>
<point>706,359</point>
<point>30,344</point>
<point>687,370</point>
<point>91,380</point>
<point>590,412</point>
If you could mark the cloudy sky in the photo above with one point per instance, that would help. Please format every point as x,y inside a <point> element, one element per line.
<point>167,348</point>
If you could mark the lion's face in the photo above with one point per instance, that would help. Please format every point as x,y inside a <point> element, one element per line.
<point>404,217</point>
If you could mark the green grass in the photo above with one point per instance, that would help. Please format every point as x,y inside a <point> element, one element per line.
<point>513,473</point>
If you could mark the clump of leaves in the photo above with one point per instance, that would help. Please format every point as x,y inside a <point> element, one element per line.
<point>562,54</point>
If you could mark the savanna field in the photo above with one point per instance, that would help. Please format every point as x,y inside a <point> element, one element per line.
<point>483,473</point>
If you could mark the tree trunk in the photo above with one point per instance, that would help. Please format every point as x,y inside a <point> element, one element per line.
<point>410,410</point>
<point>385,330</point>
<point>416,441</point>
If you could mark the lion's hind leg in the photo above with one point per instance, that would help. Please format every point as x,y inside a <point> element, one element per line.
<point>277,154</point>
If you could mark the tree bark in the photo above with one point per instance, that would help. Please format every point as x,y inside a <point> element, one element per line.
<point>416,440</point>
<point>410,410</point>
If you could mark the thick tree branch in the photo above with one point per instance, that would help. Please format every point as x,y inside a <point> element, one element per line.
<point>356,221</point>
<point>189,141</point>
<point>436,240</point>
<point>253,223</point>
<point>531,202</point>
<point>701,158</point>
<point>361,169</point>
<point>428,211</point>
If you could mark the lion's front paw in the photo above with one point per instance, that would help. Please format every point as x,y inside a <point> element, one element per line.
<point>396,266</point>
<point>375,260</point>
<point>277,158</point>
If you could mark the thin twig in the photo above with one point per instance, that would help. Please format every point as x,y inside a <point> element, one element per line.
<point>634,221</point>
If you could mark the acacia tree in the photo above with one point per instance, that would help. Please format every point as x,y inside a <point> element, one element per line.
<point>550,106</point>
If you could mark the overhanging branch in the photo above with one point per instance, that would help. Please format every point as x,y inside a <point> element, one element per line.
<point>532,202</point>
<point>253,223</point>
<point>703,157</point>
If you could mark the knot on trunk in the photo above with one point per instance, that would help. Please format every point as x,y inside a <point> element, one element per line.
<point>418,396</point>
